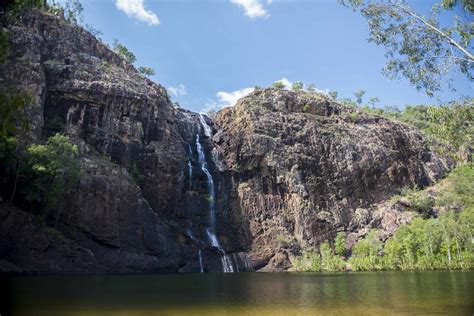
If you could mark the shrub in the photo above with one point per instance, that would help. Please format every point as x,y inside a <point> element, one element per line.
<point>56,170</point>
<point>136,174</point>
<point>297,86</point>
<point>309,261</point>
<point>339,244</point>
<point>147,71</point>
<point>306,108</point>
<point>279,85</point>
<point>123,52</point>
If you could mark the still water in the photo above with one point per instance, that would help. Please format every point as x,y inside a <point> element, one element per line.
<point>375,293</point>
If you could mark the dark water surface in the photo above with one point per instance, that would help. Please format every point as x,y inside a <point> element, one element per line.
<point>375,293</point>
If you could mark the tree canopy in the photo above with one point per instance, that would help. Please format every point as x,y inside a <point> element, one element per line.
<point>419,47</point>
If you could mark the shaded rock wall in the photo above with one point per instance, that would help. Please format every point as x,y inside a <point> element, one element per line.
<point>290,169</point>
<point>301,165</point>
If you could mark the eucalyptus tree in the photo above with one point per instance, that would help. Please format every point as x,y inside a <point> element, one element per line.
<point>420,47</point>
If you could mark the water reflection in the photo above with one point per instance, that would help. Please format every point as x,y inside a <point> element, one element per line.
<point>390,293</point>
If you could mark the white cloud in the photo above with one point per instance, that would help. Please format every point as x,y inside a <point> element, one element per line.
<point>177,91</point>
<point>231,98</point>
<point>136,9</point>
<point>289,83</point>
<point>325,91</point>
<point>226,99</point>
<point>286,82</point>
<point>253,8</point>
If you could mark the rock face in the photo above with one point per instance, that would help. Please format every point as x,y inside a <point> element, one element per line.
<point>289,169</point>
<point>300,167</point>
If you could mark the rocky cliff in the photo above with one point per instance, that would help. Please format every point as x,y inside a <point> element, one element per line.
<point>288,169</point>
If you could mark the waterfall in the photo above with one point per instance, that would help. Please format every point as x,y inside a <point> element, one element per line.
<point>190,170</point>
<point>207,128</point>
<point>200,260</point>
<point>226,262</point>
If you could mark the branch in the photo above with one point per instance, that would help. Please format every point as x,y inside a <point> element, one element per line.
<point>434,28</point>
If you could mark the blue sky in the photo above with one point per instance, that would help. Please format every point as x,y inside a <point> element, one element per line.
<point>206,50</point>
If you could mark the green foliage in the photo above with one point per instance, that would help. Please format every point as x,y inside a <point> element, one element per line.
<point>353,117</point>
<point>417,46</point>
<point>365,253</point>
<point>123,52</point>
<point>256,88</point>
<point>443,242</point>
<point>333,94</point>
<point>297,86</point>
<point>325,260</point>
<point>453,125</point>
<point>329,261</point>
<point>73,11</point>
<point>458,189</point>
<point>136,174</point>
<point>373,101</point>
<point>56,170</point>
<point>359,96</point>
<point>339,244</point>
<point>437,243</point>
<point>12,116</point>
<point>450,126</point>
<point>306,108</point>
<point>55,157</point>
<point>468,5</point>
<point>311,87</point>
<point>309,261</point>
<point>279,85</point>
<point>283,240</point>
<point>348,102</point>
<point>147,71</point>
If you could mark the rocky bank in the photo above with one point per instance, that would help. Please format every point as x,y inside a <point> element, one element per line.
<point>290,169</point>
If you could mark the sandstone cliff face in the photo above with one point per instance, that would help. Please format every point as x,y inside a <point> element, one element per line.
<point>301,167</point>
<point>119,119</point>
<point>289,169</point>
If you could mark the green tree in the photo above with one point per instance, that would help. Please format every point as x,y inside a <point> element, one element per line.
<point>297,86</point>
<point>147,71</point>
<point>333,94</point>
<point>311,87</point>
<point>12,115</point>
<point>359,96</point>
<point>419,47</point>
<point>373,101</point>
<point>453,124</point>
<point>339,244</point>
<point>279,85</point>
<point>57,171</point>
<point>136,174</point>
<point>123,52</point>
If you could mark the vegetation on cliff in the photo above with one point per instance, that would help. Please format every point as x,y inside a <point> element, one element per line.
<point>429,242</point>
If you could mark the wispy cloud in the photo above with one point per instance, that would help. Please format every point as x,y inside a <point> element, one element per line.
<point>226,99</point>
<point>231,98</point>
<point>253,8</point>
<point>177,91</point>
<point>136,9</point>
<point>288,85</point>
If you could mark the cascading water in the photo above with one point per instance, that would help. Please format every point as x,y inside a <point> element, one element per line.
<point>200,261</point>
<point>226,262</point>
<point>190,167</point>
<point>207,128</point>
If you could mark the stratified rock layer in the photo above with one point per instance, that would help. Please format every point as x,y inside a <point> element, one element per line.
<point>290,169</point>
<point>303,166</point>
